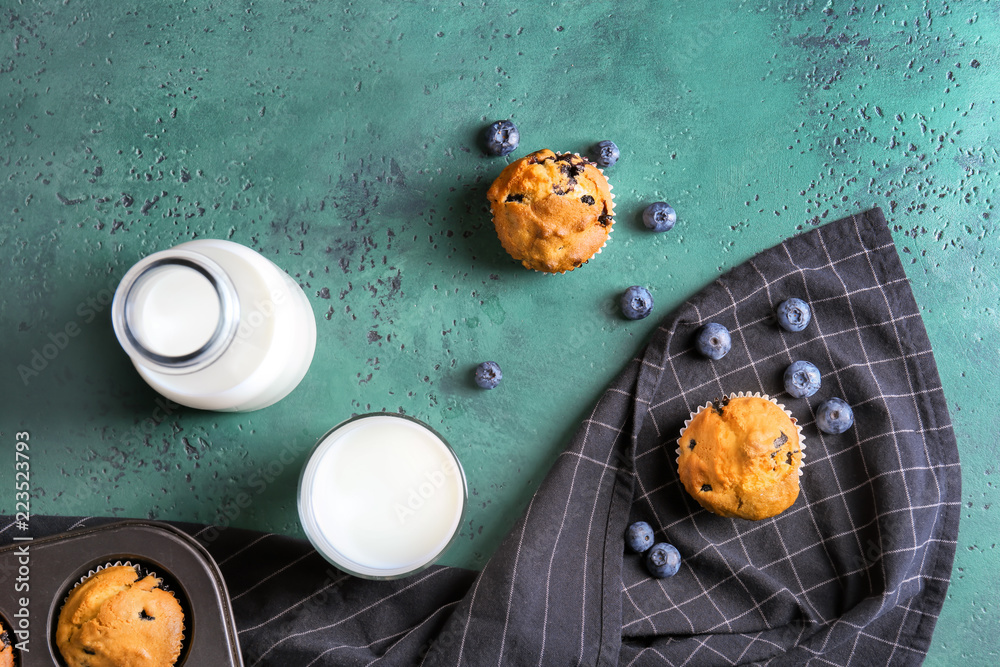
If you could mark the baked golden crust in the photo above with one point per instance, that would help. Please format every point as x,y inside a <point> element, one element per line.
<point>114,618</point>
<point>740,457</point>
<point>553,212</point>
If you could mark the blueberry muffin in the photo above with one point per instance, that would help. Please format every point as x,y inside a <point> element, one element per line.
<point>740,457</point>
<point>6,648</point>
<point>116,617</point>
<point>552,211</point>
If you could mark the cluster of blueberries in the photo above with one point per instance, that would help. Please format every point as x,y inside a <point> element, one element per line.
<point>802,378</point>
<point>662,559</point>
<point>501,138</point>
<point>637,302</point>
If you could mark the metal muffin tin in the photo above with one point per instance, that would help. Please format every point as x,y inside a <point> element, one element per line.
<point>58,562</point>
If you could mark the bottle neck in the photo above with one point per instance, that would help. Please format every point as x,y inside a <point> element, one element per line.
<point>176,312</point>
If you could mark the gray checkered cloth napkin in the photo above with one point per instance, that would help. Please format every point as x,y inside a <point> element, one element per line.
<point>854,573</point>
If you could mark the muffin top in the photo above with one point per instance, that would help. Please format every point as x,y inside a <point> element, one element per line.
<point>116,618</point>
<point>552,211</point>
<point>740,457</point>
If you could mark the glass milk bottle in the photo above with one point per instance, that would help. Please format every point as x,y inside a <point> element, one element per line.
<point>214,325</point>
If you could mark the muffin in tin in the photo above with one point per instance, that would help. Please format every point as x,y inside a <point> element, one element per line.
<point>6,647</point>
<point>117,616</point>
<point>552,211</point>
<point>741,456</point>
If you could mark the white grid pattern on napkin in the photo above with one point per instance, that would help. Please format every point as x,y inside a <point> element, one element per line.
<point>853,573</point>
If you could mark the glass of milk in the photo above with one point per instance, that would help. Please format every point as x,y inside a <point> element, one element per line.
<point>382,496</point>
<point>212,324</point>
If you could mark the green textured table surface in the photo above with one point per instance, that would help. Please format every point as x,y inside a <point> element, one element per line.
<point>339,139</point>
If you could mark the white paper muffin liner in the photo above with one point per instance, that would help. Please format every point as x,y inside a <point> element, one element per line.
<point>117,563</point>
<point>741,394</point>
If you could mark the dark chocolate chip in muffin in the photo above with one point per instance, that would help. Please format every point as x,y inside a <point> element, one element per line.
<point>720,403</point>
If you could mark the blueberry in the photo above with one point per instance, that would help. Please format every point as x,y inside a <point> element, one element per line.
<point>488,374</point>
<point>659,217</point>
<point>605,153</point>
<point>639,536</point>
<point>802,379</point>
<point>502,138</point>
<point>663,560</point>
<point>636,303</point>
<point>794,314</point>
<point>834,416</point>
<point>714,340</point>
